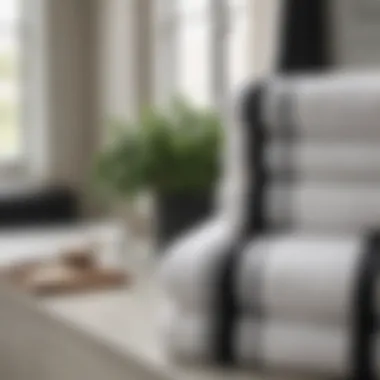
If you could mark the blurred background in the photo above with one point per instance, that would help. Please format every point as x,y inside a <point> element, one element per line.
<point>121,122</point>
<point>73,72</point>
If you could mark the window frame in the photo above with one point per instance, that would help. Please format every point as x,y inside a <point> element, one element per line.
<point>10,166</point>
<point>166,72</point>
<point>32,101</point>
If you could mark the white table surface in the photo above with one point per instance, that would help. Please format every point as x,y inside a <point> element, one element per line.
<point>123,322</point>
<point>127,320</point>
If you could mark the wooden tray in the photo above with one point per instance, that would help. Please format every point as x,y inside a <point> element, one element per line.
<point>68,275</point>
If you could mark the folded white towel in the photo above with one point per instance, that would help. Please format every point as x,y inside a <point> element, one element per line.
<point>295,278</point>
<point>326,161</point>
<point>269,345</point>
<point>300,279</point>
<point>191,265</point>
<point>329,106</point>
<point>324,208</point>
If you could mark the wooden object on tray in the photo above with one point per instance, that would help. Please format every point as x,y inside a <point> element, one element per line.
<point>74,272</point>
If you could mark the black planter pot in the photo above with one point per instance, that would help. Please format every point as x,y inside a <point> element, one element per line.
<point>178,213</point>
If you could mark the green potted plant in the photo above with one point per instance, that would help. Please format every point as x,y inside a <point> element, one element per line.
<point>174,153</point>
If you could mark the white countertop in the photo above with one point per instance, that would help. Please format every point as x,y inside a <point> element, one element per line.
<point>121,323</point>
<point>127,320</point>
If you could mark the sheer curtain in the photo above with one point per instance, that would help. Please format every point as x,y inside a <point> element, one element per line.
<point>194,50</point>
<point>202,48</point>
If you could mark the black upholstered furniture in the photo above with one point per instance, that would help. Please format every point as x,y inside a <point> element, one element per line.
<point>34,207</point>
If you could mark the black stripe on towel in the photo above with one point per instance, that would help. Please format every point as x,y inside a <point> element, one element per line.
<point>226,309</point>
<point>364,310</point>
<point>287,175</point>
<point>255,139</point>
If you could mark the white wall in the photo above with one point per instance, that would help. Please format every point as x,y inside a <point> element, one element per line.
<point>71,88</point>
<point>115,26</point>
<point>124,55</point>
<point>264,29</point>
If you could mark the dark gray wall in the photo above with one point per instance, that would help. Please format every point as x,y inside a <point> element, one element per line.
<point>357,38</point>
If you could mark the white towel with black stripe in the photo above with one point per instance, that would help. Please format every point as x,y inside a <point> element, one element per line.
<point>286,277</point>
<point>334,106</point>
<point>321,153</point>
<point>324,207</point>
<point>327,161</point>
<point>307,298</point>
<point>267,344</point>
<point>191,265</point>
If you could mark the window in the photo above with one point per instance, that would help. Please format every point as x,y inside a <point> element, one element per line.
<point>201,49</point>
<point>238,53</point>
<point>10,81</point>
<point>193,49</point>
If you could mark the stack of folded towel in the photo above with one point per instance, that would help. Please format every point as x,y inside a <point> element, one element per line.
<point>306,298</point>
<point>296,301</point>
<point>323,134</point>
